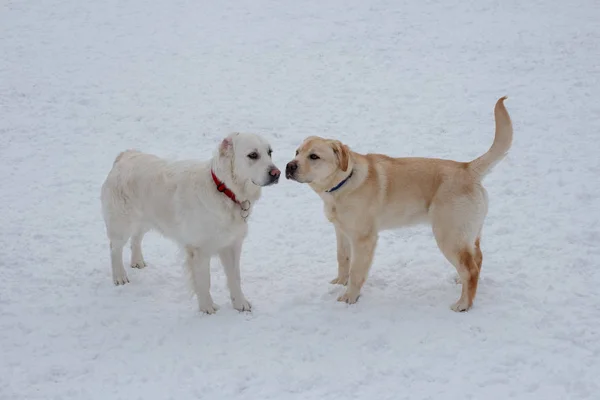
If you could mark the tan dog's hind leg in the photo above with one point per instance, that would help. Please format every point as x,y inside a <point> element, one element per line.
<point>468,271</point>
<point>478,253</point>
<point>343,258</point>
<point>456,233</point>
<point>478,259</point>
<point>363,248</point>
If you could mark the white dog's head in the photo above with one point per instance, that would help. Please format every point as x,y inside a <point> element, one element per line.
<point>250,158</point>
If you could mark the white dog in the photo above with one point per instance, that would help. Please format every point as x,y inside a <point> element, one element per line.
<point>202,206</point>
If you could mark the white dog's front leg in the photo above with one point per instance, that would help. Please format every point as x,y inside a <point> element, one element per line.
<point>199,265</point>
<point>230,258</point>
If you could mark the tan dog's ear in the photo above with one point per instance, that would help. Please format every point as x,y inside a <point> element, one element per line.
<point>342,152</point>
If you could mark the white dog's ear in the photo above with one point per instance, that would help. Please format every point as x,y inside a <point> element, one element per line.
<point>226,147</point>
<point>342,152</point>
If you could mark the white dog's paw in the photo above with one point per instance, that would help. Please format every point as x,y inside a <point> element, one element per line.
<point>120,278</point>
<point>461,306</point>
<point>209,308</point>
<point>138,264</point>
<point>340,280</point>
<point>242,304</point>
<point>349,297</point>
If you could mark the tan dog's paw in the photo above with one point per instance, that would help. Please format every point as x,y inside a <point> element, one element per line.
<point>340,280</point>
<point>461,306</point>
<point>349,297</point>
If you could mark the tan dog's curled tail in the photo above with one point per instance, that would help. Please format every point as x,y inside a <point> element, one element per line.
<point>502,141</point>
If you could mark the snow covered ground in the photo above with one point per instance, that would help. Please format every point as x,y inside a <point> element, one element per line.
<point>82,80</point>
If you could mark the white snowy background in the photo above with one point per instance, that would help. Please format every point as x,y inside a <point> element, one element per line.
<point>82,80</point>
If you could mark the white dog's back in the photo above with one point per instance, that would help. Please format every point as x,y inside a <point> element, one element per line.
<point>144,192</point>
<point>135,176</point>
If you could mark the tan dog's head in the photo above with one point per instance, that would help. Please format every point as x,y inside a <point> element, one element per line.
<point>318,161</point>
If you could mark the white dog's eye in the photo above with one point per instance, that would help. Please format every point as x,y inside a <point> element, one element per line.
<point>314,157</point>
<point>253,155</point>
<point>270,152</point>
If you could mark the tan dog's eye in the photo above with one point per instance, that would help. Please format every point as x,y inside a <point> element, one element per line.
<point>296,152</point>
<point>314,157</point>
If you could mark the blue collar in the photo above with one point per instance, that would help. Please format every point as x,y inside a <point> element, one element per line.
<point>339,185</point>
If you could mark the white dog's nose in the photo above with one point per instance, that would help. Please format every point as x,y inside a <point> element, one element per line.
<point>275,172</point>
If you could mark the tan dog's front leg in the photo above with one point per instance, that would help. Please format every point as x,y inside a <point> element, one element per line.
<point>363,248</point>
<point>343,258</point>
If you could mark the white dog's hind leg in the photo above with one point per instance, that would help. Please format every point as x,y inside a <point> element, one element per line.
<point>230,258</point>
<point>116,258</point>
<point>199,265</point>
<point>137,258</point>
<point>118,234</point>
<point>118,227</point>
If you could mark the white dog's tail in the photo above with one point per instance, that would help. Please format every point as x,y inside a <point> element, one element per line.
<point>502,141</point>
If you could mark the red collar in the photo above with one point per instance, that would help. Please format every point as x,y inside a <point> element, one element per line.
<point>224,189</point>
<point>244,205</point>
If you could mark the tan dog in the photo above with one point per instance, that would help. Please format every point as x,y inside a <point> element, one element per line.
<point>365,194</point>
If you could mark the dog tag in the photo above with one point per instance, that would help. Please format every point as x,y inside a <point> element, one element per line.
<point>245,206</point>
<point>245,214</point>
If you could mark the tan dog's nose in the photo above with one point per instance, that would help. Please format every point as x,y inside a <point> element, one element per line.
<point>290,168</point>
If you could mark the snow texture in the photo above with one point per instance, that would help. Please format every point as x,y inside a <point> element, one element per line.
<point>82,80</point>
